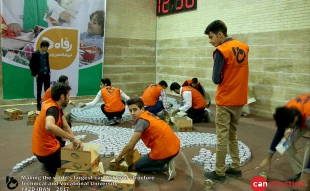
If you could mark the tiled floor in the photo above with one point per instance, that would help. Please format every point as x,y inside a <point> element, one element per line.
<point>255,132</point>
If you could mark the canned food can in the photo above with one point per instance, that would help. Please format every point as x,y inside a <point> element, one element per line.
<point>263,174</point>
<point>208,184</point>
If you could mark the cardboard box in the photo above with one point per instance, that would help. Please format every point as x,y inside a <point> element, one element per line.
<point>13,112</point>
<point>251,97</point>
<point>85,175</point>
<point>182,123</point>
<point>83,160</point>
<point>64,181</point>
<point>127,162</point>
<point>115,180</point>
<point>15,117</point>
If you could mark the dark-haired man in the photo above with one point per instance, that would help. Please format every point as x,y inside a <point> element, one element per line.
<point>194,102</point>
<point>154,97</point>
<point>114,106</point>
<point>49,124</point>
<point>156,135</point>
<point>48,95</point>
<point>293,121</point>
<point>197,85</point>
<point>40,69</point>
<point>230,74</point>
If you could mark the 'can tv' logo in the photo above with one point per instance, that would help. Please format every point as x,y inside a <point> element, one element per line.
<point>11,183</point>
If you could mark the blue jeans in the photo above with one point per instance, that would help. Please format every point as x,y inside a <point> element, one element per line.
<point>156,108</point>
<point>146,164</point>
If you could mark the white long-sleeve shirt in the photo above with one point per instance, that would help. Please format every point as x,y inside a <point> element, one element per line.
<point>187,98</point>
<point>99,97</point>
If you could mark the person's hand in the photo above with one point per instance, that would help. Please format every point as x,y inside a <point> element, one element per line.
<point>72,103</point>
<point>179,102</point>
<point>265,162</point>
<point>15,28</point>
<point>55,23</point>
<point>77,144</point>
<point>117,161</point>
<point>66,16</point>
<point>83,105</point>
<point>175,111</point>
<point>36,76</point>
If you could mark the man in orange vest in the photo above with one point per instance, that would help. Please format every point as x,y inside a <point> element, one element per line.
<point>49,124</point>
<point>197,85</point>
<point>230,73</point>
<point>293,121</point>
<point>156,135</point>
<point>154,97</point>
<point>47,95</point>
<point>114,106</point>
<point>194,105</point>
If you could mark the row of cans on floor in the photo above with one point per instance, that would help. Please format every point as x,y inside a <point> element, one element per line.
<point>19,166</point>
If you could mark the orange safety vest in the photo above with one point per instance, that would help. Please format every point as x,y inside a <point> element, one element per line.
<point>47,95</point>
<point>198,101</point>
<point>302,104</point>
<point>151,94</point>
<point>189,83</point>
<point>112,99</point>
<point>159,137</point>
<point>44,143</point>
<point>233,91</point>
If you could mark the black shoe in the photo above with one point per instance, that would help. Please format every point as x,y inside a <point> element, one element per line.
<point>206,117</point>
<point>214,177</point>
<point>294,178</point>
<point>233,173</point>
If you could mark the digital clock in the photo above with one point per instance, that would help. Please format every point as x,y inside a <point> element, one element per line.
<point>165,7</point>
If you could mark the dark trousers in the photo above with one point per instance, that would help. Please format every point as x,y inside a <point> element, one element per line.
<point>156,108</point>
<point>111,115</point>
<point>43,79</point>
<point>196,115</point>
<point>146,164</point>
<point>51,162</point>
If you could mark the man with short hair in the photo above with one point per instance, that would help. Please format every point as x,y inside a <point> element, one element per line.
<point>293,121</point>
<point>230,73</point>
<point>40,69</point>
<point>194,105</point>
<point>156,135</point>
<point>197,85</point>
<point>48,95</point>
<point>49,124</point>
<point>154,97</point>
<point>114,106</point>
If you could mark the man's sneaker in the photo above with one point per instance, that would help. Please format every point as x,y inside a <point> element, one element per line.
<point>43,169</point>
<point>110,122</point>
<point>118,120</point>
<point>171,170</point>
<point>233,173</point>
<point>214,177</point>
<point>294,178</point>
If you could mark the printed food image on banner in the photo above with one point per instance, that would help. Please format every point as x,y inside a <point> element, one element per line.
<point>78,55</point>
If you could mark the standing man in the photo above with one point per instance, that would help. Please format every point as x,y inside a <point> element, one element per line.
<point>230,73</point>
<point>51,124</point>
<point>40,69</point>
<point>194,104</point>
<point>156,135</point>
<point>114,106</point>
<point>154,97</point>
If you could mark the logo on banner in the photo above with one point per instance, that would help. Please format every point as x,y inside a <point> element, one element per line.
<point>63,46</point>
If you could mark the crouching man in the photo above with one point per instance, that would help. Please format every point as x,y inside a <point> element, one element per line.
<point>51,124</point>
<point>156,135</point>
